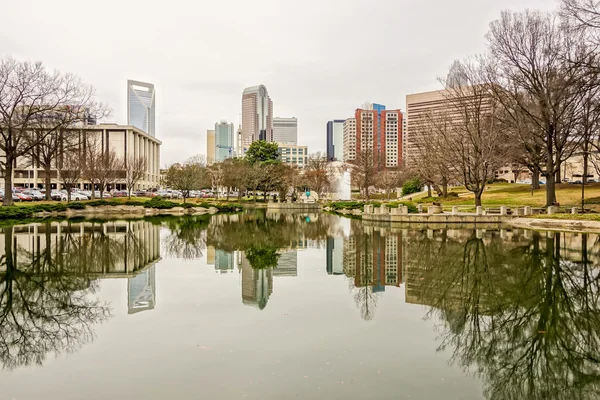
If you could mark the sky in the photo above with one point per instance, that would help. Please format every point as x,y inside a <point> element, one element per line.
<point>319,59</point>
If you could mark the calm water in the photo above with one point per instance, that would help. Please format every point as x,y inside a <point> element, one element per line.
<point>314,306</point>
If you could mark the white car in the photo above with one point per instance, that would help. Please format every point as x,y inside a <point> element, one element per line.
<point>74,196</point>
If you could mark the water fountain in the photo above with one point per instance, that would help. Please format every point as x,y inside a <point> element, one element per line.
<point>341,180</point>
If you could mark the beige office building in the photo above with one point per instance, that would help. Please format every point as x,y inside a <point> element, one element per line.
<point>210,146</point>
<point>294,155</point>
<point>349,140</point>
<point>125,140</point>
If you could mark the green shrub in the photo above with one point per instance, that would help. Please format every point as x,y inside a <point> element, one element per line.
<point>411,186</point>
<point>346,205</point>
<point>452,194</point>
<point>76,206</point>
<point>411,207</point>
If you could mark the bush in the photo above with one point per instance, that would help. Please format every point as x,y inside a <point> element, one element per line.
<point>346,205</point>
<point>452,194</point>
<point>76,206</point>
<point>411,186</point>
<point>411,207</point>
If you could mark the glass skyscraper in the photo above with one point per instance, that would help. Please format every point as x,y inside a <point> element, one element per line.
<point>224,141</point>
<point>140,106</point>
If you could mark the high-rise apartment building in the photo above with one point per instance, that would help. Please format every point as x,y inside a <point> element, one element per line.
<point>224,141</point>
<point>380,131</point>
<point>141,106</point>
<point>335,140</point>
<point>404,141</point>
<point>349,140</point>
<point>210,147</point>
<point>285,130</point>
<point>257,116</point>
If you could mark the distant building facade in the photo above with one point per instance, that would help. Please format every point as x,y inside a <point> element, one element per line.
<point>126,141</point>
<point>257,116</point>
<point>224,141</point>
<point>380,130</point>
<point>294,155</point>
<point>349,141</point>
<point>210,147</point>
<point>141,109</point>
<point>335,140</point>
<point>285,130</point>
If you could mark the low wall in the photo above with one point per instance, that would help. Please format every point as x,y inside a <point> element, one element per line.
<point>436,218</point>
<point>294,206</point>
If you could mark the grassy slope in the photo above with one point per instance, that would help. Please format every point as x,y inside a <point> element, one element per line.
<point>521,195</point>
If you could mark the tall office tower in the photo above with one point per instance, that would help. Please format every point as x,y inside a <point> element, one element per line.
<point>210,147</point>
<point>285,130</point>
<point>335,140</point>
<point>380,130</point>
<point>140,106</point>
<point>224,140</point>
<point>349,141</point>
<point>257,116</point>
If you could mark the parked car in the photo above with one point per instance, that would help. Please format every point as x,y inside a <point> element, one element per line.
<point>591,181</point>
<point>34,194</point>
<point>23,196</point>
<point>55,194</point>
<point>74,196</point>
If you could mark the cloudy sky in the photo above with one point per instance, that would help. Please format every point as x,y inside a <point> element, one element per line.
<point>319,59</point>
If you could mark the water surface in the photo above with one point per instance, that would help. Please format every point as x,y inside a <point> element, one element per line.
<point>308,306</point>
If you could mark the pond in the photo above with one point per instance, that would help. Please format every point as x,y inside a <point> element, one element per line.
<point>310,306</point>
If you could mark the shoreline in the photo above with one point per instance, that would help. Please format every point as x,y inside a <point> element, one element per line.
<point>558,225</point>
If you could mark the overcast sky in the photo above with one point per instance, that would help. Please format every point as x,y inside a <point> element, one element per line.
<point>319,59</point>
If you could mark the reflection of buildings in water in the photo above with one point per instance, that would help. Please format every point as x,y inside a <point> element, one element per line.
<point>115,249</point>
<point>374,259</point>
<point>335,255</point>
<point>210,255</point>
<point>287,264</point>
<point>224,261</point>
<point>141,291</point>
<point>257,284</point>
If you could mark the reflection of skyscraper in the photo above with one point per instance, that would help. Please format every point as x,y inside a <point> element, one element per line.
<point>141,291</point>
<point>224,261</point>
<point>335,255</point>
<point>210,255</point>
<point>257,285</point>
<point>287,265</point>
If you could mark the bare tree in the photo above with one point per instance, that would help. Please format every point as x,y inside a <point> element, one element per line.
<point>388,181</point>
<point>586,13</point>
<point>367,163</point>
<point>538,69</point>
<point>136,169</point>
<point>70,170</point>
<point>473,144</point>
<point>317,173</point>
<point>35,103</point>
<point>191,175</point>
<point>101,164</point>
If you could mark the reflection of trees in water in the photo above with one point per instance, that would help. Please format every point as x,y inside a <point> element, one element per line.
<point>526,318</point>
<point>44,305</point>
<point>363,283</point>
<point>187,238</point>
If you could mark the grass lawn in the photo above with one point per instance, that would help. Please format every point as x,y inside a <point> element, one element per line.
<point>521,195</point>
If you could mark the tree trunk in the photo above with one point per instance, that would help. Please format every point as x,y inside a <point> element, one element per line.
<point>48,183</point>
<point>429,190</point>
<point>228,190</point>
<point>535,178</point>
<point>478,198</point>
<point>8,200</point>
<point>585,173</point>
<point>445,186</point>
<point>550,172</point>
<point>558,174</point>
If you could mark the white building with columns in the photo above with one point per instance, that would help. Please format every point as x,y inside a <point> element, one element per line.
<point>125,140</point>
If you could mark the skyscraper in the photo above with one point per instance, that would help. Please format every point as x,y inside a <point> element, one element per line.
<point>285,130</point>
<point>257,116</point>
<point>140,106</point>
<point>210,147</point>
<point>224,141</point>
<point>380,130</point>
<point>335,140</point>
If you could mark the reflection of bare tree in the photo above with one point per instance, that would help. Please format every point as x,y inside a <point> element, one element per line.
<point>44,307</point>
<point>525,317</point>
<point>363,283</point>
<point>187,239</point>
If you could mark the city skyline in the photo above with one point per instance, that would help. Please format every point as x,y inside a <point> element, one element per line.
<point>295,64</point>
